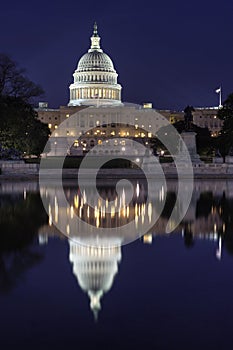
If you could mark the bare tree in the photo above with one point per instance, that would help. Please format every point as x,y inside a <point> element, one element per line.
<point>14,82</point>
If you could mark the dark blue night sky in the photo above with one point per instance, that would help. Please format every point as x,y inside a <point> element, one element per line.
<point>171,53</point>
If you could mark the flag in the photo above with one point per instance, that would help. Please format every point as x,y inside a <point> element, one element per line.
<point>218,90</point>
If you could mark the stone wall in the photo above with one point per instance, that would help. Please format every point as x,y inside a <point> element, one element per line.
<point>17,168</point>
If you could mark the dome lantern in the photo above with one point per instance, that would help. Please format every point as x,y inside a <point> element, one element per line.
<point>95,40</point>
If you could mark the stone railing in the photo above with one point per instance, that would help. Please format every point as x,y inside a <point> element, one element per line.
<point>18,167</point>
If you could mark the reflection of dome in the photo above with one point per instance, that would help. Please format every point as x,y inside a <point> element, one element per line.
<point>95,79</point>
<point>95,269</point>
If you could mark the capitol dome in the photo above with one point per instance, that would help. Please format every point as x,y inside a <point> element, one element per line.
<point>95,79</point>
<point>95,60</point>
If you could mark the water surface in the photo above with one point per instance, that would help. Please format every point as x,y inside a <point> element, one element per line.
<point>159,292</point>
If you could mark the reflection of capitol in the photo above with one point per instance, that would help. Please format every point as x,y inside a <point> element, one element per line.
<point>95,268</point>
<point>201,224</point>
<point>81,214</point>
<point>208,217</point>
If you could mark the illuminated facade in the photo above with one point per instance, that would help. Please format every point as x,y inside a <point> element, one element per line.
<point>100,126</point>
<point>95,84</point>
<point>95,79</point>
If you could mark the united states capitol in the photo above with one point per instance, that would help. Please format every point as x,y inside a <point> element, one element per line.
<point>95,95</point>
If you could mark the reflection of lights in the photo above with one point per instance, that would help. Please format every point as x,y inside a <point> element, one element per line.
<point>137,190</point>
<point>24,194</point>
<point>161,194</point>
<point>136,221</point>
<point>149,211</point>
<point>56,210</point>
<point>123,197</point>
<point>96,212</point>
<point>68,229</point>
<point>143,209</point>
<point>72,212</point>
<point>219,250</point>
<point>172,224</point>
<point>112,211</point>
<point>76,201</point>
<point>127,212</point>
<point>84,197</point>
<point>50,216</point>
<point>102,211</point>
<point>215,228</point>
<point>148,238</point>
<point>136,209</point>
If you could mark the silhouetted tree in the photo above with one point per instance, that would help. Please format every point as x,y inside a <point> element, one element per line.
<point>20,130</point>
<point>14,82</point>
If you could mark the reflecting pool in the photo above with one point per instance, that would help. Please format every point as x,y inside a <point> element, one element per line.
<point>150,289</point>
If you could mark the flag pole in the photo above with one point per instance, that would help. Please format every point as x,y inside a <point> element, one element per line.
<point>220,97</point>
